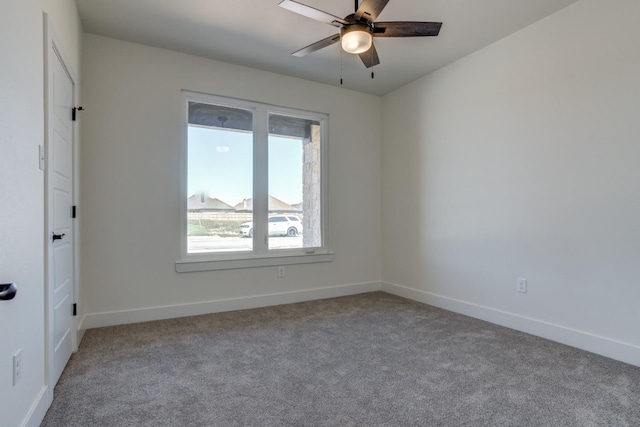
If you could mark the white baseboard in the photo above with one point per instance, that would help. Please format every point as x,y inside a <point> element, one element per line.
<point>81,329</point>
<point>79,335</point>
<point>98,320</point>
<point>613,349</point>
<point>38,409</point>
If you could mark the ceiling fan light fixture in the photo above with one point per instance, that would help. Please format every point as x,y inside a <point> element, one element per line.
<point>356,38</point>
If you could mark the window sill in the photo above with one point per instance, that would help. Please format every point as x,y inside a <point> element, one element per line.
<point>209,264</point>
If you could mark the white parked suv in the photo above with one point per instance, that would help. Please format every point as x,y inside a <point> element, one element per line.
<point>279,225</point>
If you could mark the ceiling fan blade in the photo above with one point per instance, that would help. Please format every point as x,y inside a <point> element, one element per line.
<point>370,57</point>
<point>317,45</point>
<point>312,12</point>
<point>406,29</point>
<point>370,9</point>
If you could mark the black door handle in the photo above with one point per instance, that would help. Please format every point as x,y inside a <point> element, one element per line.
<point>8,291</point>
<point>57,236</point>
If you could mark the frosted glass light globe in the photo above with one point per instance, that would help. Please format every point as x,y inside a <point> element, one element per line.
<point>356,38</point>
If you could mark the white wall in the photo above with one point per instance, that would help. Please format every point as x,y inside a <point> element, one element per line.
<point>22,197</point>
<point>130,209</point>
<point>521,160</point>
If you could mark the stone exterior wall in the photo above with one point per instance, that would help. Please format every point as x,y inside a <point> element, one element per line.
<point>311,206</point>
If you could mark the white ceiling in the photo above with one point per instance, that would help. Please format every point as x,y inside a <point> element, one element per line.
<point>259,34</point>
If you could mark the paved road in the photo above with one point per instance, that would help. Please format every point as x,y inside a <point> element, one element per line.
<point>217,244</point>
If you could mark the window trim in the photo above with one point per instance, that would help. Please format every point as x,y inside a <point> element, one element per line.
<point>260,255</point>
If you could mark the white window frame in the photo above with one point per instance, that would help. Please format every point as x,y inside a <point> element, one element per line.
<point>260,256</point>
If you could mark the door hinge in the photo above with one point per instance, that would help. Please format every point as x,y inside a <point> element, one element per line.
<point>75,309</point>
<point>73,112</point>
<point>73,211</point>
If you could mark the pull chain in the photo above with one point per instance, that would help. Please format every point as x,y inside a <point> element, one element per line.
<point>341,54</point>
<point>373,66</point>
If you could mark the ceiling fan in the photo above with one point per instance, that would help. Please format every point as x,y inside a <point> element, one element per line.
<point>358,29</point>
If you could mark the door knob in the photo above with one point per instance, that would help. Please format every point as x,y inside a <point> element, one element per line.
<point>55,236</point>
<point>8,291</point>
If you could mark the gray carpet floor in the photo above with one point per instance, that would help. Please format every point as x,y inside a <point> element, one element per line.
<point>364,360</point>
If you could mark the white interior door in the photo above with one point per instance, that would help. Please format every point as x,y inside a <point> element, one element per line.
<point>59,211</point>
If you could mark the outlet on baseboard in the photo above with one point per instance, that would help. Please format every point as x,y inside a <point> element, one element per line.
<point>521,285</point>
<point>280,271</point>
<point>17,367</point>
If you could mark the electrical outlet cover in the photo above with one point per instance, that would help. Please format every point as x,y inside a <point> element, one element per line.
<point>521,285</point>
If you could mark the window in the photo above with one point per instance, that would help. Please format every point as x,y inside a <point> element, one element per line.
<point>255,185</point>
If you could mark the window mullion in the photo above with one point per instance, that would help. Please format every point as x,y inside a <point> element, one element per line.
<point>260,180</point>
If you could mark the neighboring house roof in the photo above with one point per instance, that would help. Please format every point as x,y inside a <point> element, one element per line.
<point>279,205</point>
<point>198,201</point>
<point>275,204</point>
<point>245,205</point>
